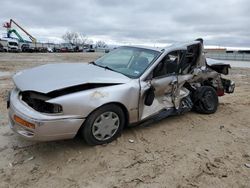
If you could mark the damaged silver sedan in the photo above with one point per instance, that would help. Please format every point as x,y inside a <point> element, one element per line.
<point>128,86</point>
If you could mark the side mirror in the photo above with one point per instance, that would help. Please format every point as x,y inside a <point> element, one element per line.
<point>149,96</point>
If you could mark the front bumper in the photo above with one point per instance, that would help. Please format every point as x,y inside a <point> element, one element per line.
<point>13,50</point>
<point>47,127</point>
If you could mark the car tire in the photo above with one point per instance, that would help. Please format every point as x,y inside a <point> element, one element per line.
<point>103,125</point>
<point>205,100</point>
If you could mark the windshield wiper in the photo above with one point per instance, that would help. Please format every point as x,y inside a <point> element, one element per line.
<point>105,67</point>
<point>93,63</point>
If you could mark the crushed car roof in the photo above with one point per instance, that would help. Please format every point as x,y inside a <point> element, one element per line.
<point>146,47</point>
<point>180,45</point>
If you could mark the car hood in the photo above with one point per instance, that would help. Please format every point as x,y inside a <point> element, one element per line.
<point>51,77</point>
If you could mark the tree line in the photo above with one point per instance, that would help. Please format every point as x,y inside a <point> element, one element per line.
<point>80,39</point>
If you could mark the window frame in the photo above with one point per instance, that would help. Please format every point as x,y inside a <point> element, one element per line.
<point>168,74</point>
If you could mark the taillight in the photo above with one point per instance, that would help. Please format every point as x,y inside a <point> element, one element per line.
<point>220,92</point>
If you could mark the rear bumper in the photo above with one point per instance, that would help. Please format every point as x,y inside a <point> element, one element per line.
<point>46,127</point>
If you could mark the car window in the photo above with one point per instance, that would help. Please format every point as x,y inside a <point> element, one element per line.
<point>189,59</point>
<point>13,43</point>
<point>122,57</point>
<point>167,66</point>
<point>149,56</point>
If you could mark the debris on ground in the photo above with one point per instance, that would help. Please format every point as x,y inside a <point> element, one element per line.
<point>222,127</point>
<point>131,141</point>
<point>29,159</point>
<point>247,165</point>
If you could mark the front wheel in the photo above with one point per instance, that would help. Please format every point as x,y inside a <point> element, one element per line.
<point>205,100</point>
<point>103,125</point>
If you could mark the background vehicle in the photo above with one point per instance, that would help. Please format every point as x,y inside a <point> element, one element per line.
<point>4,45</point>
<point>66,47</point>
<point>25,47</point>
<point>88,48</point>
<point>13,46</point>
<point>128,86</point>
<point>1,48</point>
<point>50,50</point>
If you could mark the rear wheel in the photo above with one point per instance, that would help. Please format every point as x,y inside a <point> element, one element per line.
<point>205,100</point>
<point>103,125</point>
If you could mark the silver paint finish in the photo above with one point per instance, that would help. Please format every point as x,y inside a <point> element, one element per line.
<point>163,97</point>
<point>129,94</point>
<point>84,102</point>
<point>46,127</point>
<point>51,77</point>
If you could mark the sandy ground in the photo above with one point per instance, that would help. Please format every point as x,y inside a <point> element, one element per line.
<point>191,150</point>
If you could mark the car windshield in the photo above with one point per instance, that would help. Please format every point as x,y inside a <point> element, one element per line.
<point>130,61</point>
<point>13,43</point>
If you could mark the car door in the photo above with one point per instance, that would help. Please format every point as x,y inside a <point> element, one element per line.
<point>162,84</point>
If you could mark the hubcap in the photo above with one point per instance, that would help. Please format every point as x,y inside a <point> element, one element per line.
<point>105,126</point>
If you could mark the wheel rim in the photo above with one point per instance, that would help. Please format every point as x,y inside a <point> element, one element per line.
<point>105,126</point>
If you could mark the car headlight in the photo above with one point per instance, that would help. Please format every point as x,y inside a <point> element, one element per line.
<point>52,108</point>
<point>45,107</point>
<point>38,102</point>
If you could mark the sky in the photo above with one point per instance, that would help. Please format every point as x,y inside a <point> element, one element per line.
<point>146,22</point>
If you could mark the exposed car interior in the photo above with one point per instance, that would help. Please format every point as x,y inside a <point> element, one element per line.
<point>181,61</point>
<point>189,58</point>
<point>168,65</point>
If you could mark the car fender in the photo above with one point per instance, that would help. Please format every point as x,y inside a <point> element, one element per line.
<point>84,102</point>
